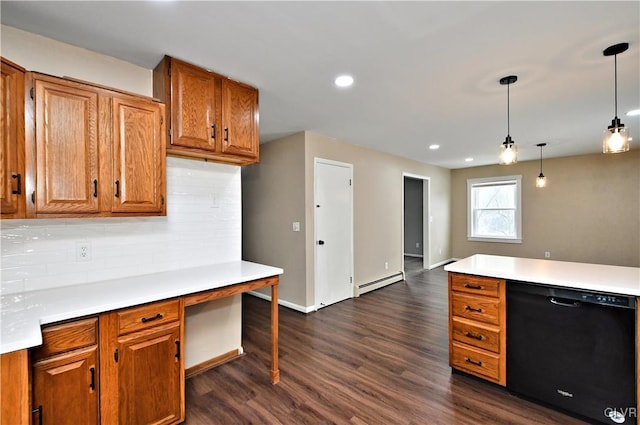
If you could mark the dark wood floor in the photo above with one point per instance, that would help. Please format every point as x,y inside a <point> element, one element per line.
<point>378,359</point>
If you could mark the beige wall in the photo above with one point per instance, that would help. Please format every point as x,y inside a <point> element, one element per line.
<point>280,190</point>
<point>272,199</point>
<point>41,54</point>
<point>589,212</point>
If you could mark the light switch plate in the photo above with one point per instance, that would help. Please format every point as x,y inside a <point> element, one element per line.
<point>296,226</point>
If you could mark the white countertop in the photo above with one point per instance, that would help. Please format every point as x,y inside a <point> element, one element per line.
<point>23,313</point>
<point>591,277</point>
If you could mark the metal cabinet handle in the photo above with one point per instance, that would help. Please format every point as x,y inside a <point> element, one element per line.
<point>226,134</point>
<point>38,410</point>
<point>473,362</point>
<point>117,188</point>
<point>95,188</point>
<point>474,336</point>
<point>320,242</point>
<point>177,349</point>
<point>18,189</point>
<point>469,308</point>
<point>213,131</point>
<point>149,319</point>
<point>466,285</point>
<point>92,385</point>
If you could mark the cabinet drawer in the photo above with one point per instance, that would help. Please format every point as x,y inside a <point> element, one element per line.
<point>475,284</point>
<point>146,316</point>
<point>63,337</point>
<point>476,334</point>
<point>472,360</point>
<point>484,309</point>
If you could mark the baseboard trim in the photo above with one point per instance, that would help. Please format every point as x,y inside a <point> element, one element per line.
<point>442,263</point>
<point>379,283</point>
<point>214,362</point>
<point>284,303</point>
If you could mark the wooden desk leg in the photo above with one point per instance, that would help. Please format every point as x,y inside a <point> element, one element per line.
<point>275,371</point>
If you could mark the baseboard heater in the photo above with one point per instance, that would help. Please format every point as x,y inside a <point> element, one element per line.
<point>379,283</point>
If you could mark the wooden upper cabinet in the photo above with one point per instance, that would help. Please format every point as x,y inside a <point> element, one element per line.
<point>239,119</point>
<point>66,143</point>
<point>12,143</point>
<point>195,107</point>
<point>93,151</point>
<point>138,155</point>
<point>211,116</point>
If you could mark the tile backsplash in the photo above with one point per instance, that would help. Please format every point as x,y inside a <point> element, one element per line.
<point>203,226</point>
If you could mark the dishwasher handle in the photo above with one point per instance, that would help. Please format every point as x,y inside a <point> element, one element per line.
<point>563,302</point>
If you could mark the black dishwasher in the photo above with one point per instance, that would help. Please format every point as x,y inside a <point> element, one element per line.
<point>573,349</point>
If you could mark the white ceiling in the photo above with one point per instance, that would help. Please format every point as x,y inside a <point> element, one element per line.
<point>425,72</point>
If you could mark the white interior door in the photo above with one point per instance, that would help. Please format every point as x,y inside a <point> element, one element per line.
<point>333,205</point>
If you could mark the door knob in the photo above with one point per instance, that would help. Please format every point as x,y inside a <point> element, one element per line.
<point>320,242</point>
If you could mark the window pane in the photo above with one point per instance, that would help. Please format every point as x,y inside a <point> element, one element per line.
<point>495,223</point>
<point>503,196</point>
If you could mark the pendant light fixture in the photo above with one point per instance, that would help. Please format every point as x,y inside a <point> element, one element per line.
<point>508,151</point>
<point>616,138</point>
<point>541,180</point>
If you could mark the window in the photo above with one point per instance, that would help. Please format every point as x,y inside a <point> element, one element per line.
<point>493,211</point>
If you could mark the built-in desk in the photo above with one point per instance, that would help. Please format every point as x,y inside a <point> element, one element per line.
<point>23,315</point>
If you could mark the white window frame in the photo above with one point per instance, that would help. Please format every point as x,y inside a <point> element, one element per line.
<point>518,208</point>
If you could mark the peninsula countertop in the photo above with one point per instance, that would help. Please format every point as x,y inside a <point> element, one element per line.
<point>23,313</point>
<point>591,277</point>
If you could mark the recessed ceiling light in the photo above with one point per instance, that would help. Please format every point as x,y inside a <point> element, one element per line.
<point>468,159</point>
<point>344,81</point>
<point>434,147</point>
<point>633,112</point>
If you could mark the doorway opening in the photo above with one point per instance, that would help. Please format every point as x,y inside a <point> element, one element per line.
<point>416,222</point>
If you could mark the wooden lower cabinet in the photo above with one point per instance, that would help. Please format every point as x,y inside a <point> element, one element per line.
<point>65,388</point>
<point>149,361</point>
<point>142,364</point>
<point>477,326</point>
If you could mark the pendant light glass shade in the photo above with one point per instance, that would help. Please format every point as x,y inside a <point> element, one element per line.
<point>541,180</point>
<point>508,151</point>
<point>616,138</point>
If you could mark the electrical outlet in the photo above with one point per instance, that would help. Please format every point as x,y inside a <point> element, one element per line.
<point>417,244</point>
<point>386,265</point>
<point>296,226</point>
<point>547,254</point>
<point>83,251</point>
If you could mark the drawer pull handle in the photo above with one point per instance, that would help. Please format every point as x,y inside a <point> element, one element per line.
<point>92,385</point>
<point>213,131</point>
<point>466,285</point>
<point>149,319</point>
<point>474,336</point>
<point>469,308</point>
<point>473,362</point>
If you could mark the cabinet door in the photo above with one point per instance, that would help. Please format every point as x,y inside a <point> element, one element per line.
<point>138,155</point>
<point>149,377</point>
<point>240,119</point>
<point>66,148</point>
<point>195,107</point>
<point>65,388</point>
<point>12,143</point>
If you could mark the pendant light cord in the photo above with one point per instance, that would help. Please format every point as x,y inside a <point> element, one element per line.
<point>540,159</point>
<point>615,65</point>
<point>509,108</point>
